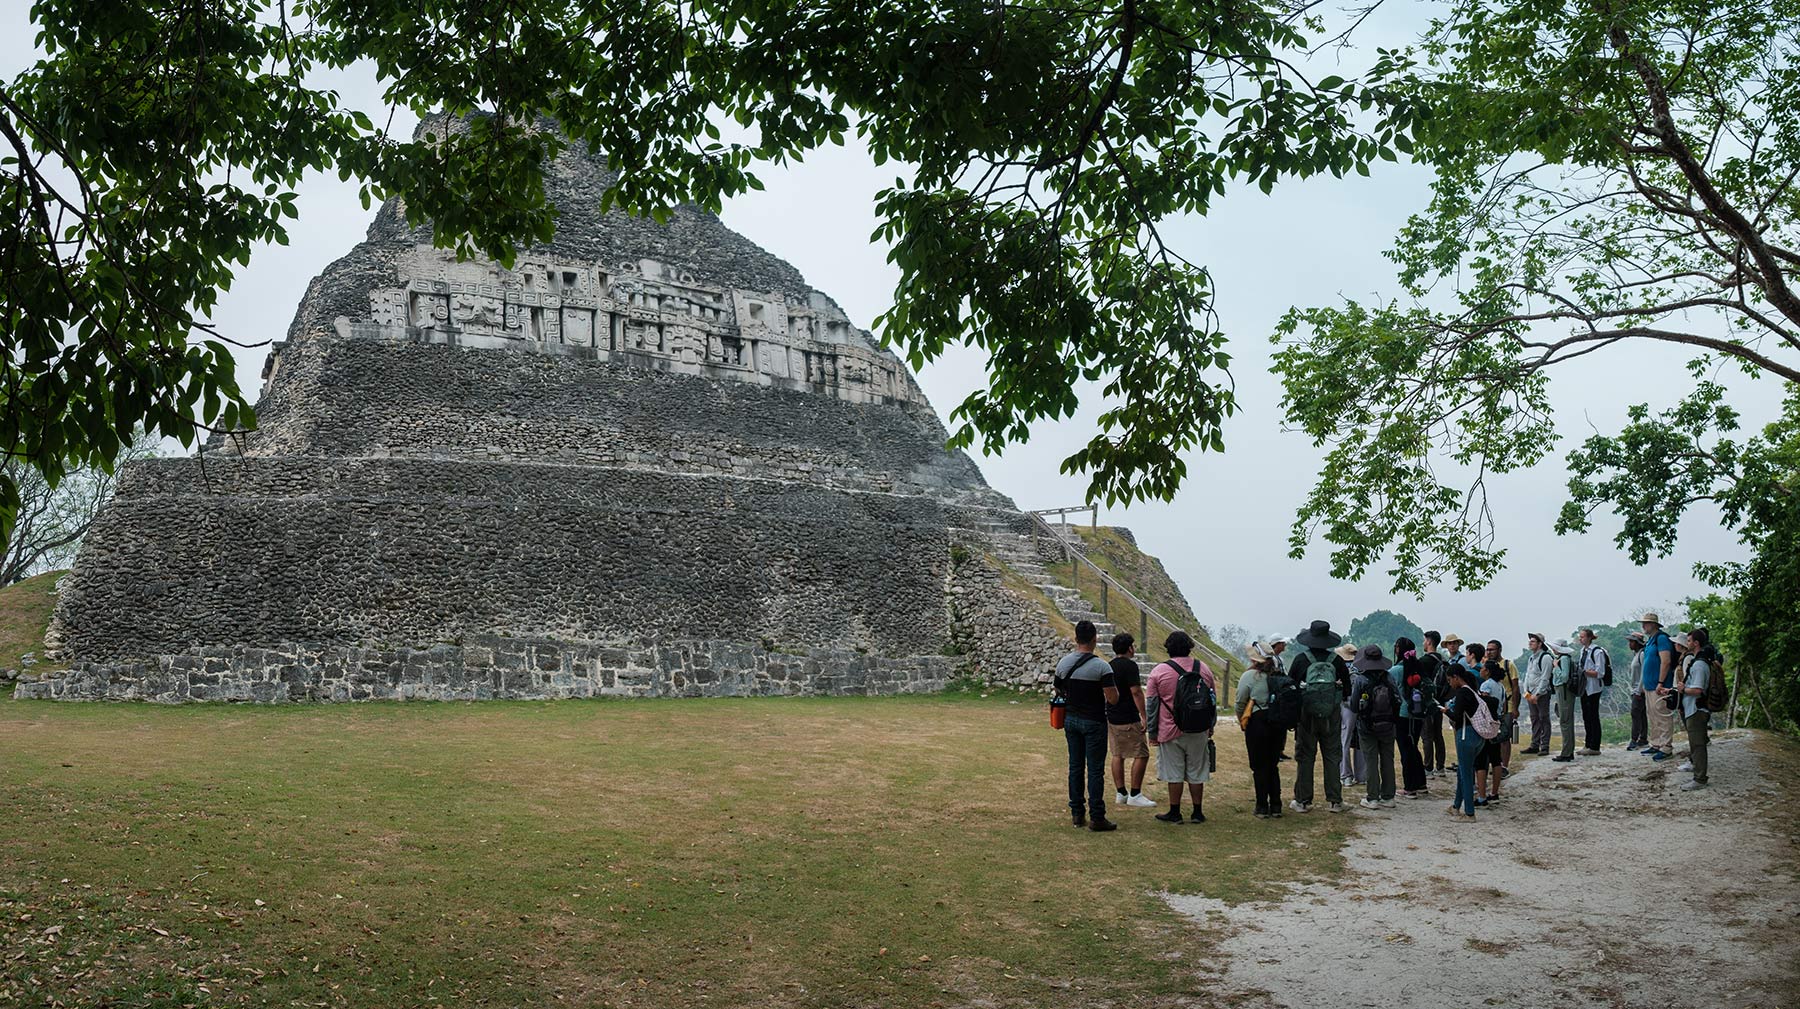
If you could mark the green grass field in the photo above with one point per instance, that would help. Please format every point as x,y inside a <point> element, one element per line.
<point>787,852</point>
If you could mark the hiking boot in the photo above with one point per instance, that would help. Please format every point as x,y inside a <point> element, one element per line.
<point>1560,759</point>
<point>1336,807</point>
<point>1102,824</point>
<point>1079,819</point>
<point>1692,786</point>
<point>1140,801</point>
<point>1300,807</point>
<point>1661,756</point>
<point>1262,812</point>
<point>1172,816</point>
<point>1369,804</point>
<point>1588,752</point>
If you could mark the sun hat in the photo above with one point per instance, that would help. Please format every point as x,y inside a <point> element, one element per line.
<point>1651,618</point>
<point>1371,659</point>
<point>1679,638</point>
<point>1318,636</point>
<point>1255,651</point>
<point>1451,639</point>
<point>1561,645</point>
<point>1346,652</point>
<point>1635,636</point>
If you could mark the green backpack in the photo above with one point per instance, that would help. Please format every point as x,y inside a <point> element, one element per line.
<point>1321,685</point>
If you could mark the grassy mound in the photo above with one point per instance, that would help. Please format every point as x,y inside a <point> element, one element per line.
<point>1144,576</point>
<point>25,609</point>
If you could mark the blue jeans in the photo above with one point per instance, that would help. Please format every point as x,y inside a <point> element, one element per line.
<point>1087,751</point>
<point>1468,750</point>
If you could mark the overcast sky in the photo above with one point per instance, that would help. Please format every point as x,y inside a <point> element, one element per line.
<point>1224,537</point>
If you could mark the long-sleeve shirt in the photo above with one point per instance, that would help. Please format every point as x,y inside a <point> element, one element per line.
<point>1537,672</point>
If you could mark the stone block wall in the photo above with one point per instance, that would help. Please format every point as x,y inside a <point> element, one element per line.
<point>369,398</point>
<point>491,668</point>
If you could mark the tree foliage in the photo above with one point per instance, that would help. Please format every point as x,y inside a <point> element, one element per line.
<point>1382,627</point>
<point>1606,176</point>
<point>157,144</point>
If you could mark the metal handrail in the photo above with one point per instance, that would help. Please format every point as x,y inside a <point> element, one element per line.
<point>1145,612</point>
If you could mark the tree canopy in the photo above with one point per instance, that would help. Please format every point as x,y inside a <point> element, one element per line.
<point>154,146</point>
<point>1607,176</point>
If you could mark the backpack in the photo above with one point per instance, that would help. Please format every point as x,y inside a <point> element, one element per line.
<point>1379,707</point>
<point>1195,707</point>
<point>1482,720</point>
<point>1424,696</point>
<point>1605,666</point>
<point>1715,698</point>
<point>1284,701</point>
<point>1322,694</point>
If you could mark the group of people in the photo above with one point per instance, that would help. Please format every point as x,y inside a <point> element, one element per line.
<point>1352,709</point>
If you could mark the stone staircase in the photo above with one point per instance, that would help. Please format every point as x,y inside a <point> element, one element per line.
<point>1019,552</point>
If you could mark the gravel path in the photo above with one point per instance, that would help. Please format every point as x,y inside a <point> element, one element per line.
<point>1597,883</point>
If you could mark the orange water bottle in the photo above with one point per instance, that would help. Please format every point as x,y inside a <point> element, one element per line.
<point>1059,710</point>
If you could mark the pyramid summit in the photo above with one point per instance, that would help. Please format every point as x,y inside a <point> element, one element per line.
<point>646,459</point>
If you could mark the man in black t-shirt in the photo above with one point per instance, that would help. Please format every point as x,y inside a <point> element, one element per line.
<point>1125,725</point>
<point>1087,685</point>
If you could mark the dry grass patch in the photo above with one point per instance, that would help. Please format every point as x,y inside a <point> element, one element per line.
<point>775,852</point>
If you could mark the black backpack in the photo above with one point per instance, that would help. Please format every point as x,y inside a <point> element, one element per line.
<point>1605,665</point>
<point>1285,700</point>
<point>1427,697</point>
<point>1196,709</point>
<point>1379,707</point>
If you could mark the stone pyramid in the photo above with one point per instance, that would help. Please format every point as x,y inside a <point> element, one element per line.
<point>647,459</point>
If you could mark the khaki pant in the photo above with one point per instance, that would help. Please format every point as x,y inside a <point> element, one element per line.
<point>1662,723</point>
<point>1699,731</point>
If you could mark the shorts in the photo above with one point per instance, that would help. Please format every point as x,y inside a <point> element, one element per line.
<point>1184,759</point>
<point>1489,756</point>
<point>1127,741</point>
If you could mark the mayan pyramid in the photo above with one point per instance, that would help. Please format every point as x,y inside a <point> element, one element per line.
<point>647,459</point>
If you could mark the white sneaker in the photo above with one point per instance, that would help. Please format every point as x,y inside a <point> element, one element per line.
<point>1686,765</point>
<point>1300,807</point>
<point>1691,786</point>
<point>1118,798</point>
<point>1369,804</point>
<point>1141,801</point>
<point>1336,807</point>
<point>1387,804</point>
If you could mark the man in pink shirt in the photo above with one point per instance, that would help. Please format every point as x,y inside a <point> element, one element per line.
<point>1181,757</point>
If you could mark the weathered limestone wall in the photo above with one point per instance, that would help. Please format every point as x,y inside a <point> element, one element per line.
<point>1003,637</point>
<point>368,398</point>
<point>490,668</point>
<point>415,552</point>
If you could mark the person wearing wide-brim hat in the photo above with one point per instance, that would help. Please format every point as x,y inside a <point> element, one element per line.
<point>1567,684</point>
<point>1640,715</point>
<point>1324,681</point>
<point>1350,765</point>
<point>1262,741</point>
<point>1658,678</point>
<point>1377,702</point>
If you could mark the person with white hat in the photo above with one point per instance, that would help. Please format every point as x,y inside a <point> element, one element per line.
<point>1566,681</point>
<point>1658,680</point>
<point>1596,674</point>
<point>1640,716</point>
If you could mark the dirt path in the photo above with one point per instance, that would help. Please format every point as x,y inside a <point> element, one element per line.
<point>1568,893</point>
